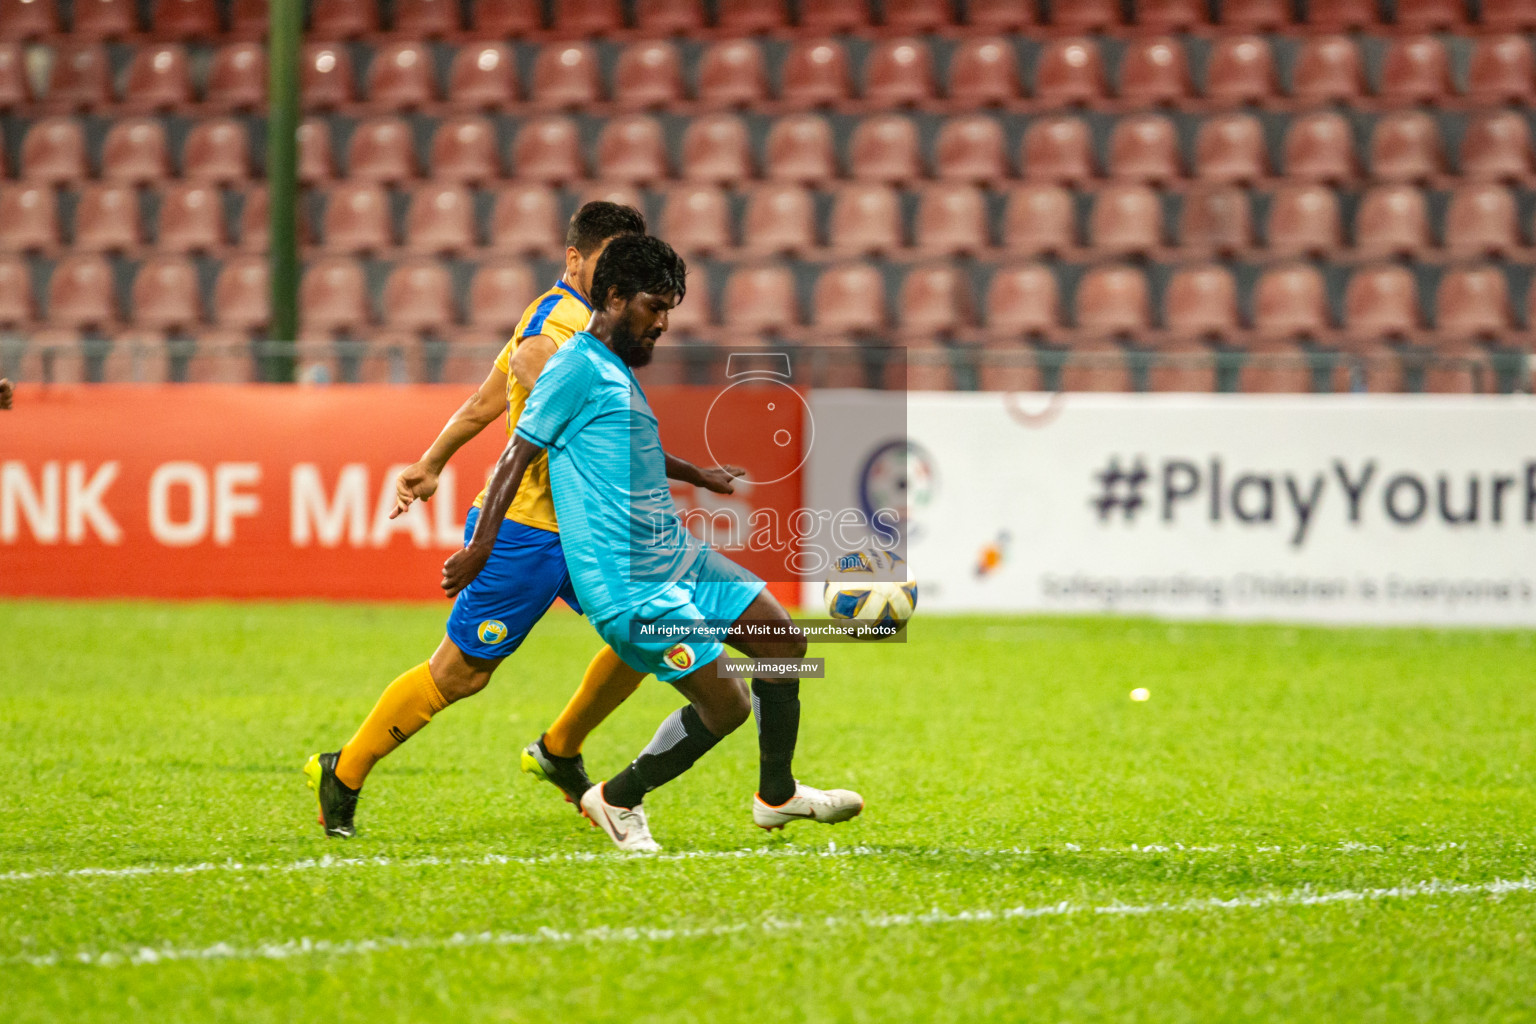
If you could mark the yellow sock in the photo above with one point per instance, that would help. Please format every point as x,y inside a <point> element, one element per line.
<point>406,705</point>
<point>607,684</point>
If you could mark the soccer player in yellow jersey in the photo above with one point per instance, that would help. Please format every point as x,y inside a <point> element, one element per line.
<point>527,572</point>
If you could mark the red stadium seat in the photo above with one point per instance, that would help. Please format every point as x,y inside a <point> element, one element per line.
<point>15,91</point>
<point>1254,15</point>
<point>191,218</point>
<point>588,17</point>
<point>951,220</point>
<point>1304,221</point>
<point>1342,14</point>
<point>834,15</point>
<point>499,293</point>
<point>256,221</point>
<point>648,76</point>
<point>1496,146</point>
<point>916,15</point>
<point>999,15</point>
<point>815,74</point>
<point>799,148</point>
<point>497,18</point>
<point>222,356</point>
<point>1230,148</point>
<point>1382,302</point>
<point>669,17</point>
<point>716,149</point>
<point>382,150</point>
<point>885,148</point>
<point>697,219</point>
<point>866,220</point>
<point>1328,69</point>
<point>970,148</point>
<point>483,76</point>
<point>29,218</point>
<point>333,295</point>
<point>548,149</point>
<point>186,19</point>
<point>632,149</point>
<point>1039,220</point>
<point>464,150</point>
<point>566,76</point>
<point>165,294</point>
<point>158,78</point>
<point>1114,300</point>
<point>1069,71</point>
<point>1502,70</point>
<point>1320,147</point>
<point>1023,300</point>
<point>16,305</point>
<point>1084,15</point>
<point>622,193</point>
<point>79,78</point>
<point>105,19</point>
<point>1291,302</point>
<point>401,77</point>
<point>1416,70</point>
<point>54,151</point>
<point>984,72</point>
<point>1058,149</point>
<point>760,299</point>
<point>898,72</point>
<point>849,299</point>
<point>217,149</point>
<point>325,76</point>
<point>81,293</point>
<point>1144,147</point>
<point>1126,220</point>
<point>1216,219</point>
<point>526,219</point>
<point>1393,220</point>
<point>317,159</point>
<point>747,17</point>
<point>440,220</point>
<point>237,77</point>
<point>1202,303</point>
<point>1482,220</point>
<point>1509,15</point>
<point>343,19</point>
<point>357,218</point>
<point>780,218</point>
<point>1429,15</point>
<point>1153,72</point>
<point>249,19</point>
<point>935,301</point>
<point>28,19</point>
<point>1240,70</point>
<point>426,19</point>
<point>731,74</point>
<point>1170,15</point>
<point>135,151</point>
<point>242,293</point>
<point>1472,304</point>
<point>1406,147</point>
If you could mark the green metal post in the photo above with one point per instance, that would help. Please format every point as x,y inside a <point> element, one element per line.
<point>287,28</point>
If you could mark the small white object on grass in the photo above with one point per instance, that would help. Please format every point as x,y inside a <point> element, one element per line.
<point>1140,693</point>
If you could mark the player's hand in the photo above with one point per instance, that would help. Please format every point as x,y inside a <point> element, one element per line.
<point>461,569</point>
<point>721,479</point>
<point>415,481</point>
<point>7,389</point>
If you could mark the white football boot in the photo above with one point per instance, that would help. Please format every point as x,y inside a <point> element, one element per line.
<point>625,826</point>
<point>828,806</point>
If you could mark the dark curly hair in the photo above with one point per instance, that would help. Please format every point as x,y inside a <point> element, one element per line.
<point>639,263</point>
<point>596,222</point>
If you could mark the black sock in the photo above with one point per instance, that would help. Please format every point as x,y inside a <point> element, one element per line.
<point>777,709</point>
<point>556,757</point>
<point>681,740</point>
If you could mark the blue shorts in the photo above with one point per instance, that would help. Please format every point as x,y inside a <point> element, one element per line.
<point>717,590</point>
<point>526,572</point>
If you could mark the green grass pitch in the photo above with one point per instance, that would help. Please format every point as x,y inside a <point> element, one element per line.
<point>1299,825</point>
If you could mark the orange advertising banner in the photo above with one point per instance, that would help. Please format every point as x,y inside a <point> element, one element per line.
<point>269,491</point>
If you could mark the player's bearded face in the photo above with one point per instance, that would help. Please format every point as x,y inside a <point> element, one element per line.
<point>635,333</point>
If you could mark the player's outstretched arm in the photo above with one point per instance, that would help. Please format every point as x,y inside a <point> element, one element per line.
<point>7,389</point>
<point>465,564</point>
<point>480,410</point>
<point>721,479</point>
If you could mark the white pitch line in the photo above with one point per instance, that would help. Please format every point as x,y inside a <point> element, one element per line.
<point>328,863</point>
<point>291,948</point>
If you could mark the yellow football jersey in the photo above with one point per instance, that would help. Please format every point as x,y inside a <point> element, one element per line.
<point>558,314</point>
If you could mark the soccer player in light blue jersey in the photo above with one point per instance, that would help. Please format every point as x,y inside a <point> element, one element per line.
<point>660,597</point>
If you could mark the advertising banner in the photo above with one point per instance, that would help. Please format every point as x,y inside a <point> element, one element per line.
<point>1350,508</point>
<point>239,492</point>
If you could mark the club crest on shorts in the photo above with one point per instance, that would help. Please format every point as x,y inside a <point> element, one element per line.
<point>492,631</point>
<point>679,656</point>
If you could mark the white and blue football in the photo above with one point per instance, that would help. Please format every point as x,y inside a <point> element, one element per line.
<point>871,587</point>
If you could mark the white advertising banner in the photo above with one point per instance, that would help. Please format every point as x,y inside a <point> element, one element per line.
<point>1349,508</point>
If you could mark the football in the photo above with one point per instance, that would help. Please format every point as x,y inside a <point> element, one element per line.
<point>871,587</point>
